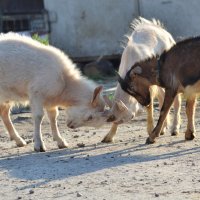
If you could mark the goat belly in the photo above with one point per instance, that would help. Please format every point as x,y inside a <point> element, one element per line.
<point>191,80</point>
<point>192,89</point>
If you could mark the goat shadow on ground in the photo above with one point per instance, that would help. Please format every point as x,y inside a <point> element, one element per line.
<point>61,164</point>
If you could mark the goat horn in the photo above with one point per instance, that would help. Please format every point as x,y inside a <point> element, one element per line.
<point>119,78</point>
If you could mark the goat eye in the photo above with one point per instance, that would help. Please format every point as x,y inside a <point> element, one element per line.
<point>89,118</point>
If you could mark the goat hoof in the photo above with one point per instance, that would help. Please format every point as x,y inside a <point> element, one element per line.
<point>189,134</point>
<point>190,137</point>
<point>40,149</point>
<point>107,140</point>
<point>174,133</point>
<point>149,141</point>
<point>63,145</point>
<point>162,133</point>
<point>21,143</point>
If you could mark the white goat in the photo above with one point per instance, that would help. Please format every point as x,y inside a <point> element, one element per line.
<point>147,38</point>
<point>45,76</point>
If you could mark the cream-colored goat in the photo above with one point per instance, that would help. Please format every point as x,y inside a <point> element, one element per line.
<point>45,76</point>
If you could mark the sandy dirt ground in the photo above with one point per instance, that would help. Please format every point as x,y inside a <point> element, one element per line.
<point>126,169</point>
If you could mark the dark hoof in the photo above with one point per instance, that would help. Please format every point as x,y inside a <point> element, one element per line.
<point>162,133</point>
<point>107,140</point>
<point>174,133</point>
<point>149,141</point>
<point>40,150</point>
<point>191,137</point>
<point>62,146</point>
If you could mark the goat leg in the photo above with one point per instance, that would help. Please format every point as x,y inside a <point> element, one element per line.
<point>190,111</point>
<point>169,98</point>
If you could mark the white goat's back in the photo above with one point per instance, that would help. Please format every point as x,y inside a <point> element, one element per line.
<point>27,65</point>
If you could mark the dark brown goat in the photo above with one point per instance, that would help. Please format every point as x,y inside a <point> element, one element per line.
<point>177,71</point>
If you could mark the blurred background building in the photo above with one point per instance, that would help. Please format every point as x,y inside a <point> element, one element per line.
<point>86,29</point>
<point>25,16</point>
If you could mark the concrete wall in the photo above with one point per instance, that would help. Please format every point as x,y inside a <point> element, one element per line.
<point>95,27</point>
<point>90,27</point>
<point>180,17</point>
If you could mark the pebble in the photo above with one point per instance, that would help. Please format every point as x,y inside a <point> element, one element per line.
<point>112,157</point>
<point>165,182</point>
<point>79,194</point>
<point>31,191</point>
<point>157,195</point>
<point>104,182</point>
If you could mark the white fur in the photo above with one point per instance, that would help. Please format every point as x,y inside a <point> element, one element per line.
<point>45,76</point>
<point>148,38</point>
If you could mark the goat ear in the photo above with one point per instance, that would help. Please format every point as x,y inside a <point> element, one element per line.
<point>96,95</point>
<point>136,70</point>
